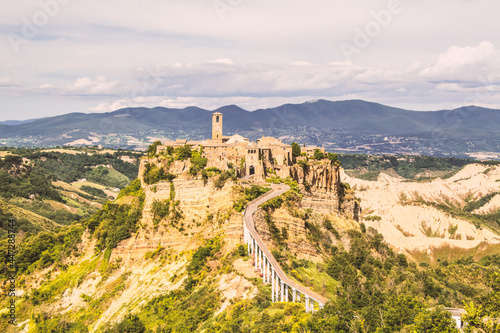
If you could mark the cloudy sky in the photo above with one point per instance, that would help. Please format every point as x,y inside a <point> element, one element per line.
<point>61,56</point>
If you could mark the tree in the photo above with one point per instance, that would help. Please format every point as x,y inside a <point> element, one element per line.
<point>295,149</point>
<point>197,163</point>
<point>473,318</point>
<point>152,148</point>
<point>184,152</point>
<point>436,320</point>
<point>130,324</point>
<point>318,155</point>
<point>401,311</point>
<point>332,157</point>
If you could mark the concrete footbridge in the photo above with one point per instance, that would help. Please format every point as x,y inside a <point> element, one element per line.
<point>283,288</point>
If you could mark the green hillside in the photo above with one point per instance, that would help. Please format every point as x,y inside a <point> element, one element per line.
<point>370,286</point>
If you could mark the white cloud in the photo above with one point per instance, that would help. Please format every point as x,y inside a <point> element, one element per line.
<point>263,52</point>
<point>108,107</point>
<point>450,87</point>
<point>225,61</point>
<point>5,80</point>
<point>87,86</point>
<point>47,86</point>
<point>465,63</point>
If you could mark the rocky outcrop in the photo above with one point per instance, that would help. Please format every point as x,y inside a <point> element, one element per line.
<point>323,190</point>
<point>206,212</point>
<point>351,208</point>
<point>173,167</point>
<point>323,177</point>
<point>297,234</point>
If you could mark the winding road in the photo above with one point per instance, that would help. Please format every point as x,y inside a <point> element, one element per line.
<point>251,208</point>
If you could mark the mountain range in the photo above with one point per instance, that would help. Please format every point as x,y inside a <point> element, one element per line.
<point>344,126</point>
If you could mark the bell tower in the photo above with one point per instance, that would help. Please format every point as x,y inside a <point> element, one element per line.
<point>217,127</point>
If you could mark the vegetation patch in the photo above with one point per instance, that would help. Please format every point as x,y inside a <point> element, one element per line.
<point>116,222</point>
<point>154,174</point>
<point>47,248</point>
<point>168,208</point>
<point>247,194</point>
<point>368,167</point>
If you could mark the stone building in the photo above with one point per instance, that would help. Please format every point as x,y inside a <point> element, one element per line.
<point>265,157</point>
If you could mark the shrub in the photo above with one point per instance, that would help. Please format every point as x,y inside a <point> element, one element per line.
<point>225,175</point>
<point>153,174</point>
<point>94,191</point>
<point>249,194</point>
<point>211,247</point>
<point>295,149</point>
<point>130,324</point>
<point>197,163</point>
<point>183,153</point>
<point>334,158</point>
<point>152,148</point>
<point>318,155</point>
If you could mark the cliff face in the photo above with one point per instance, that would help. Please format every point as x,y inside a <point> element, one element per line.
<point>205,212</point>
<point>174,167</point>
<point>322,177</point>
<point>323,190</point>
<point>296,241</point>
<point>325,196</point>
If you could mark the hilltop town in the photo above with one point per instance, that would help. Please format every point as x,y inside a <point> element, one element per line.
<point>266,156</point>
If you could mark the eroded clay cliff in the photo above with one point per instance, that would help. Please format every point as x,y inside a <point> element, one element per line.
<point>323,189</point>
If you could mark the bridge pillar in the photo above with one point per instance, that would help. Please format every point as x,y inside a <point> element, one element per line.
<point>272,287</point>
<point>260,258</point>
<point>256,257</point>
<point>282,292</point>
<point>307,303</point>
<point>277,299</point>
<point>262,261</point>
<point>247,241</point>
<point>286,293</point>
<point>268,270</point>
<point>275,281</point>
<point>264,271</point>
<point>294,295</point>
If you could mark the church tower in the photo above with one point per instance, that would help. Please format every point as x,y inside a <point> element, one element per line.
<point>217,127</point>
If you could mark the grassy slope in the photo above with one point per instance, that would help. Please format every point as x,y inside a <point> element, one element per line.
<point>34,218</point>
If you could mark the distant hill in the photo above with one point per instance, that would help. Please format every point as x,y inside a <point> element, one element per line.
<point>355,125</point>
<point>16,122</point>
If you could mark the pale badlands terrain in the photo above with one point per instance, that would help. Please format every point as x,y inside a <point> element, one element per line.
<point>410,226</point>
